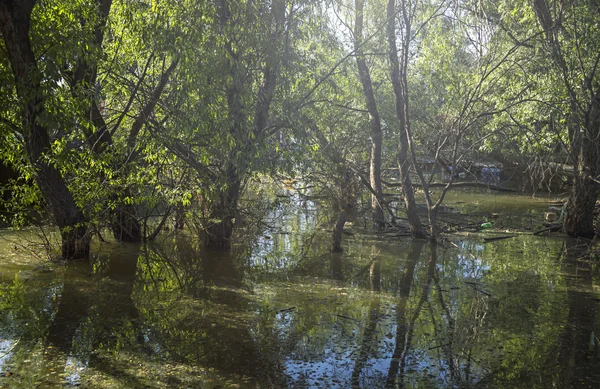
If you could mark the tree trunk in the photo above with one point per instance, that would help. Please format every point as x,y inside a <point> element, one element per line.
<point>217,235</point>
<point>336,238</point>
<point>218,232</point>
<point>335,265</point>
<point>15,20</point>
<point>344,205</point>
<point>376,133</point>
<point>179,222</point>
<point>125,225</point>
<point>579,221</point>
<point>401,93</point>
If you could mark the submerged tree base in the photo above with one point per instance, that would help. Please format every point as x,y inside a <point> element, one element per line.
<point>75,246</point>
<point>218,236</point>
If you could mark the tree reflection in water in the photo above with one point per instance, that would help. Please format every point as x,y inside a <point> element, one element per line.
<point>579,350</point>
<point>368,345</point>
<point>508,314</point>
<point>72,310</point>
<point>402,345</point>
<point>208,325</point>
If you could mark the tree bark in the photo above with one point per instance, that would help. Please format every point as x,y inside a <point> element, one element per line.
<point>375,121</point>
<point>217,234</point>
<point>125,225</point>
<point>218,231</point>
<point>336,238</point>
<point>579,220</point>
<point>398,78</point>
<point>15,20</point>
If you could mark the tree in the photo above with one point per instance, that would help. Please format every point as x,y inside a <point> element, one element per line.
<point>233,78</point>
<point>399,79</point>
<point>133,79</point>
<point>375,120</point>
<point>31,95</point>
<point>573,48</point>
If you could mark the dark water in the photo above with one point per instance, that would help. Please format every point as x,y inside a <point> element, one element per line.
<point>284,313</point>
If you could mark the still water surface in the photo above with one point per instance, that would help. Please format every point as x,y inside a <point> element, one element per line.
<point>284,313</point>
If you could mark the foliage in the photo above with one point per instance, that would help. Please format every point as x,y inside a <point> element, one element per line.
<point>199,97</point>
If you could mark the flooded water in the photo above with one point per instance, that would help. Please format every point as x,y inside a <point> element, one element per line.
<point>284,313</point>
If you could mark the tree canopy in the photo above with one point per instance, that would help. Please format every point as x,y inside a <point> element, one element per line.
<point>123,114</point>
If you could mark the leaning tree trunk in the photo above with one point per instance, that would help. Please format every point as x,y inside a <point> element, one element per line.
<point>126,226</point>
<point>579,221</point>
<point>376,133</point>
<point>15,19</point>
<point>400,91</point>
<point>123,220</point>
<point>75,241</point>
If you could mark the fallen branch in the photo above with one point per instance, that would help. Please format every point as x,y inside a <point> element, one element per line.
<point>287,310</point>
<point>454,185</point>
<point>346,317</point>
<point>492,239</point>
<point>552,228</point>
<point>10,349</point>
